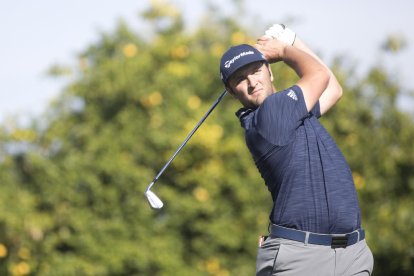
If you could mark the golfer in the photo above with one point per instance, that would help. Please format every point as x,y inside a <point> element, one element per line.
<point>315,222</point>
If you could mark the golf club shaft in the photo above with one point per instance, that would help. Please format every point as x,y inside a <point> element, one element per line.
<point>186,139</point>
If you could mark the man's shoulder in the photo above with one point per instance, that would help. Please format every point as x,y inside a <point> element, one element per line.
<point>290,96</point>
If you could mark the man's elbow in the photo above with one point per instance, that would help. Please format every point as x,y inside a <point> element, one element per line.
<point>324,78</point>
<point>334,87</point>
<point>338,88</point>
<point>340,92</point>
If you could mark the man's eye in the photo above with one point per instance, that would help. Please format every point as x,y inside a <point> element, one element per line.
<point>239,80</point>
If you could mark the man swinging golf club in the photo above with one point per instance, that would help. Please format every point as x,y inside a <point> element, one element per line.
<point>315,222</point>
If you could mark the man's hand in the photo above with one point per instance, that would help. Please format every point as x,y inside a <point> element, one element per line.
<point>272,49</point>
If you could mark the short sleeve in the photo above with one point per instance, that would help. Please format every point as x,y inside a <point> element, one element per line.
<point>281,114</point>
<point>316,110</point>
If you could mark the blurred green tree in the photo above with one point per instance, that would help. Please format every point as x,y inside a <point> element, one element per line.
<point>71,199</point>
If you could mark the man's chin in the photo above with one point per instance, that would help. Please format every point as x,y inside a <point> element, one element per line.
<point>260,99</point>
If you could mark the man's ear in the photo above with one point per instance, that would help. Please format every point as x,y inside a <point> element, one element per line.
<point>271,77</point>
<point>270,72</point>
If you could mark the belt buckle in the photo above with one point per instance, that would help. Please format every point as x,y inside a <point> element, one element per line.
<point>339,242</point>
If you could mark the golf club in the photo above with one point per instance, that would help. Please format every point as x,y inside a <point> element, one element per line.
<point>154,201</point>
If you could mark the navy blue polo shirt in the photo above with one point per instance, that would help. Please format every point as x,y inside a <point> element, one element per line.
<point>309,179</point>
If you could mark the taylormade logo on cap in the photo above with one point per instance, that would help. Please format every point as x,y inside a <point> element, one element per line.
<point>237,57</point>
<point>228,63</point>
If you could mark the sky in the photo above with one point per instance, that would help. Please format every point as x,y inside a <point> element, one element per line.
<point>37,34</point>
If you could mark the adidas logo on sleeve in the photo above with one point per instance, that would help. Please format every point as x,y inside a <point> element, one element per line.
<point>292,94</point>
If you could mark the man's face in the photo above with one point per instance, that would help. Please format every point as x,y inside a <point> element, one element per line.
<point>252,84</point>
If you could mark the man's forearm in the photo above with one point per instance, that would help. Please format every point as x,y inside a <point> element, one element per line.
<point>314,76</point>
<point>333,91</point>
<point>300,61</point>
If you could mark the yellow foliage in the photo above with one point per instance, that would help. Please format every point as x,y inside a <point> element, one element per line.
<point>23,135</point>
<point>178,69</point>
<point>130,50</point>
<point>358,180</point>
<point>250,41</point>
<point>217,50</point>
<point>238,38</point>
<point>156,121</point>
<point>351,139</point>
<point>3,250</point>
<point>213,167</point>
<point>214,134</point>
<point>153,99</point>
<point>22,268</point>
<point>262,218</point>
<point>213,265</point>
<point>222,273</point>
<point>209,136</point>
<point>193,102</point>
<point>201,194</point>
<point>24,253</point>
<point>180,52</point>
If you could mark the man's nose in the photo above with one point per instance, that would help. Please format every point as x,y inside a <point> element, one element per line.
<point>251,80</point>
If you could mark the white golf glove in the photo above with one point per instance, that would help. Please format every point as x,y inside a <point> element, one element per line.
<point>282,33</point>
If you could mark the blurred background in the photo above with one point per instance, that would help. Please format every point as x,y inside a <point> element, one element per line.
<point>97,95</point>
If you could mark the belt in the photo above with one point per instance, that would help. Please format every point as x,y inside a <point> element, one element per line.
<point>333,240</point>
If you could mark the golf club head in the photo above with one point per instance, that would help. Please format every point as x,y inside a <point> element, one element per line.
<point>154,201</point>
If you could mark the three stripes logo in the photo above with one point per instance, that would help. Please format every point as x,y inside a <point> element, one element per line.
<point>292,94</point>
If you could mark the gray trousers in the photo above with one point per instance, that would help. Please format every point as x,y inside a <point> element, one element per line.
<point>284,257</point>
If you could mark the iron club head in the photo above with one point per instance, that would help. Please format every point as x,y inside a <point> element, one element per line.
<point>154,201</point>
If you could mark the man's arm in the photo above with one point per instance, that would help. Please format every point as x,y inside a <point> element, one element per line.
<point>333,91</point>
<point>314,76</point>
